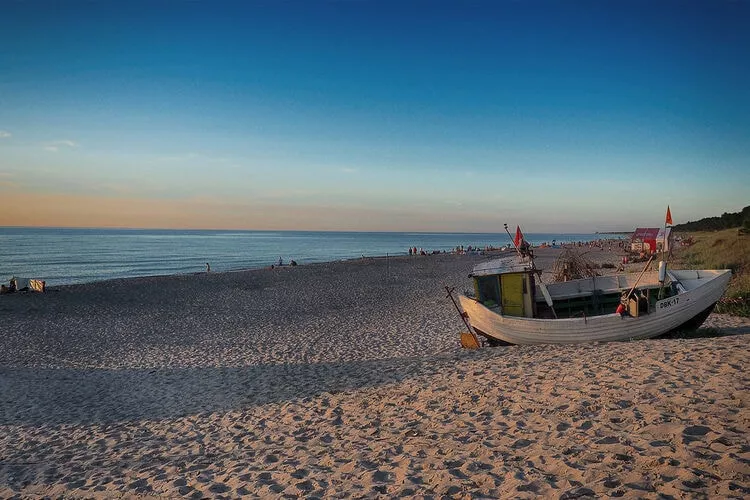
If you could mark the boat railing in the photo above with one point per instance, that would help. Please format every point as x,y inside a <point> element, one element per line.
<point>580,313</point>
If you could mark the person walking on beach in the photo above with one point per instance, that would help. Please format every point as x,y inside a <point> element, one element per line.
<point>208,267</point>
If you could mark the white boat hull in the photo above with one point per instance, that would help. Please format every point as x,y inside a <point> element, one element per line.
<point>706,289</point>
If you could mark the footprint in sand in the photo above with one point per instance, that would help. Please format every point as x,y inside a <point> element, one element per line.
<point>608,440</point>
<point>578,493</point>
<point>694,433</point>
<point>611,483</point>
<point>696,430</point>
<point>458,474</point>
<point>477,466</point>
<point>218,488</point>
<point>380,476</point>
<point>265,478</point>
<point>305,486</point>
<point>521,443</point>
<point>300,474</point>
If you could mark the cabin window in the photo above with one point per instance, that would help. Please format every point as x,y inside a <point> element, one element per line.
<point>489,290</point>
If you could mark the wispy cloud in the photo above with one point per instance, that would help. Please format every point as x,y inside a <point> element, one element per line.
<point>7,182</point>
<point>183,157</point>
<point>55,146</point>
<point>193,157</point>
<point>349,170</point>
<point>4,134</point>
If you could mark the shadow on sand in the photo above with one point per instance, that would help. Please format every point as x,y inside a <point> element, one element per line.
<point>32,396</point>
<point>702,333</point>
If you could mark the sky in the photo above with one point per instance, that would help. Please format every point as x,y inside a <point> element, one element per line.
<point>373,115</point>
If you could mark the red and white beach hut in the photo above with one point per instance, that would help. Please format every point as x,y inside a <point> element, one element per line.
<point>650,239</point>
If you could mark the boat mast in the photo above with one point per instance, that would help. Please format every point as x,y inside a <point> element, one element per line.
<point>518,251</point>
<point>542,286</point>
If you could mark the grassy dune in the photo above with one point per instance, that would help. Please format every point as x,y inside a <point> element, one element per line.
<point>727,249</point>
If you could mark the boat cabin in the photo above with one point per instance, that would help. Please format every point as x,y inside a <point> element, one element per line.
<point>512,288</point>
<point>509,286</point>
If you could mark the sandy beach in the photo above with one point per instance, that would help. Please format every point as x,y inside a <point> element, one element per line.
<point>346,379</point>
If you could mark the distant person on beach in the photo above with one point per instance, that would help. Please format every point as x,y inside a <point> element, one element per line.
<point>409,250</point>
<point>281,262</point>
<point>208,267</point>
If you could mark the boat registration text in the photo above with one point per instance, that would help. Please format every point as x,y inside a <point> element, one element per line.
<point>669,303</point>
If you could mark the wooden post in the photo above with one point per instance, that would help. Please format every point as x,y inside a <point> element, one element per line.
<point>462,314</point>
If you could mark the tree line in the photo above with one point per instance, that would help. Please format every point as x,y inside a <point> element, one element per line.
<point>726,221</point>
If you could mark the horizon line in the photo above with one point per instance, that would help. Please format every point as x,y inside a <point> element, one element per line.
<point>295,230</point>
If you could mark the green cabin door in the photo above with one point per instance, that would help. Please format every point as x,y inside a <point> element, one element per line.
<point>512,294</point>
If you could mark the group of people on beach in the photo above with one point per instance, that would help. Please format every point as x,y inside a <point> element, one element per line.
<point>281,263</point>
<point>600,244</point>
<point>460,250</point>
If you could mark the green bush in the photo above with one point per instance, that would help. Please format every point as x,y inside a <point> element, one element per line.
<point>727,249</point>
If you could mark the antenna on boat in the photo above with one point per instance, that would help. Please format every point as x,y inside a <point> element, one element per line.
<point>664,260</point>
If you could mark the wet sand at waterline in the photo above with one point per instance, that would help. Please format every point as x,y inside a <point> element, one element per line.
<point>346,380</point>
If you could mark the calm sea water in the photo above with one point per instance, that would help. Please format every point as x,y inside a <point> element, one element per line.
<point>67,256</point>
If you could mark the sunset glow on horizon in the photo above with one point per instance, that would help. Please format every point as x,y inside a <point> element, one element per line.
<point>373,116</point>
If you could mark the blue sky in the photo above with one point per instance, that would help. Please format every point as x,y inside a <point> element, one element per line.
<point>374,115</point>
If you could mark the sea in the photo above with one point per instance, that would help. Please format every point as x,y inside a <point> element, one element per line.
<point>64,256</point>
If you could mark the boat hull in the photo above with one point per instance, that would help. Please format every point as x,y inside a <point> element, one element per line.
<point>669,314</point>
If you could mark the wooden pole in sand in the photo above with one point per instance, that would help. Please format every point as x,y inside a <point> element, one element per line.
<point>462,314</point>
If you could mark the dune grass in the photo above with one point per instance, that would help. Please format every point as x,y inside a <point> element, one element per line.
<point>726,249</point>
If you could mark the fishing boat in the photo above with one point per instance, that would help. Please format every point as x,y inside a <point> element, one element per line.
<point>510,304</point>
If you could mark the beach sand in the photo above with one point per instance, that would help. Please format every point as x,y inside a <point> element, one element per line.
<point>346,379</point>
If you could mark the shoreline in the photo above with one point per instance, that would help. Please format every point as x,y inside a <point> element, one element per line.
<point>255,269</point>
<point>97,258</point>
<point>488,254</point>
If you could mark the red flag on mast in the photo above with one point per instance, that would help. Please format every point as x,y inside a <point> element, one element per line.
<point>519,236</point>
<point>669,217</point>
